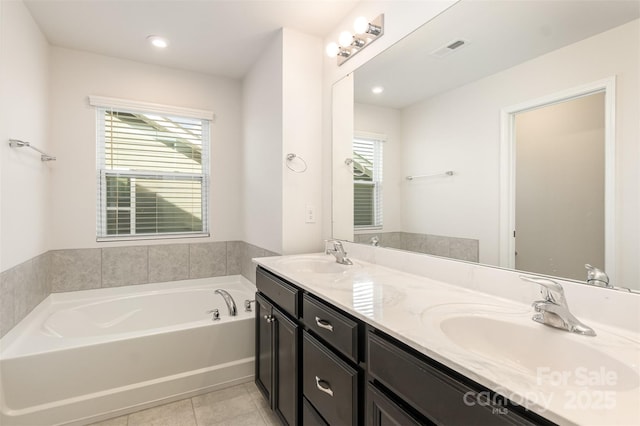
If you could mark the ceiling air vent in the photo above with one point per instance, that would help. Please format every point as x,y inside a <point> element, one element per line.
<point>449,48</point>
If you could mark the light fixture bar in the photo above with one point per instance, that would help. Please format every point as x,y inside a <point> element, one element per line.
<point>374,30</point>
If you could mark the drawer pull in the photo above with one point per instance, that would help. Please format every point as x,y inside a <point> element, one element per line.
<point>323,386</point>
<point>269,318</point>
<point>324,324</point>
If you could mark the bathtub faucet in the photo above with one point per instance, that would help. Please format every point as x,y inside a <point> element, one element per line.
<point>231,304</point>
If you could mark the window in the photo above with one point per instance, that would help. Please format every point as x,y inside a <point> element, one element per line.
<point>367,182</point>
<point>152,172</point>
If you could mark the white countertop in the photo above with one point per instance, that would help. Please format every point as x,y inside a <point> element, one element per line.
<point>412,309</point>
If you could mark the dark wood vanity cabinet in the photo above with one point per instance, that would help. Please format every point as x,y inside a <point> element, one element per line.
<point>306,356</point>
<point>318,365</point>
<point>277,364</point>
<point>406,387</point>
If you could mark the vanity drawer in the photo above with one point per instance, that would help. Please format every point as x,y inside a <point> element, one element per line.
<point>329,383</point>
<point>284,295</point>
<point>334,327</point>
<point>310,417</point>
<point>433,393</point>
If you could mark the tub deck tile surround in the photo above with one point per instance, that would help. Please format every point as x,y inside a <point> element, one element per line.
<point>125,266</point>
<point>234,257</point>
<point>7,320</point>
<point>168,263</point>
<point>452,247</point>
<point>77,269</point>
<point>234,406</point>
<point>24,286</point>
<point>249,251</point>
<point>208,260</point>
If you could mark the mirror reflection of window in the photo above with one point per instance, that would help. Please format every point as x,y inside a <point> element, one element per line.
<point>367,183</point>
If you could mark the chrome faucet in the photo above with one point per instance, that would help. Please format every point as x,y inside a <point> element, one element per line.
<point>338,252</point>
<point>231,304</point>
<point>554,310</point>
<point>597,277</point>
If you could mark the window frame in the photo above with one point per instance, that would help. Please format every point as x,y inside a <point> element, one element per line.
<point>101,105</point>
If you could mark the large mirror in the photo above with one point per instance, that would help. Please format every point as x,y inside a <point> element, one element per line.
<point>500,132</point>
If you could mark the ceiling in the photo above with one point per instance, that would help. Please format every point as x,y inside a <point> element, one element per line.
<point>219,37</point>
<point>499,35</point>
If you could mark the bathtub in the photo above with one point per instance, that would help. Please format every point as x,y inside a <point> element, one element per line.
<point>84,356</point>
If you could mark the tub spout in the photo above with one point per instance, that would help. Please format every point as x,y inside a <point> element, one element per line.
<point>231,304</point>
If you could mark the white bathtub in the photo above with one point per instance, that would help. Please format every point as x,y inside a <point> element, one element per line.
<point>85,356</point>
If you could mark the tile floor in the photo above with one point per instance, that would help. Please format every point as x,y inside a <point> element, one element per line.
<point>241,405</point>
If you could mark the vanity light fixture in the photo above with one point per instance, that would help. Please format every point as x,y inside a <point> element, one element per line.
<point>157,41</point>
<point>376,90</point>
<point>349,44</point>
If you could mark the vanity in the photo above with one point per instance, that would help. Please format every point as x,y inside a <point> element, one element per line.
<point>368,344</point>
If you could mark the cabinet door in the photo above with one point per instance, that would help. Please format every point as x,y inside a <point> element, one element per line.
<point>264,347</point>
<point>381,411</point>
<point>286,394</point>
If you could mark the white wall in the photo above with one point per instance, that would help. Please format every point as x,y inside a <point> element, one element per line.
<point>386,121</point>
<point>25,203</point>
<point>301,135</point>
<point>282,114</point>
<point>462,128</point>
<point>262,150</point>
<point>76,75</point>
<point>400,19</point>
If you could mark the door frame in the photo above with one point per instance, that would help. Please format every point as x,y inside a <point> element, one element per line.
<point>507,167</point>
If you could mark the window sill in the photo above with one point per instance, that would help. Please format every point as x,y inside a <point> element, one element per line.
<point>152,237</point>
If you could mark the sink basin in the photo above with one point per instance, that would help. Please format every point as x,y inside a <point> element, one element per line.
<point>548,356</point>
<point>317,264</point>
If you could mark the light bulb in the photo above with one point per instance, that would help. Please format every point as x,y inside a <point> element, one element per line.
<point>157,41</point>
<point>377,90</point>
<point>345,39</point>
<point>332,50</point>
<point>361,25</point>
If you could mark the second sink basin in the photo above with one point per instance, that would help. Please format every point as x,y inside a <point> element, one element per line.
<point>553,357</point>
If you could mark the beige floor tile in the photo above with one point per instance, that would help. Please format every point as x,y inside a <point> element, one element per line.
<point>270,418</point>
<point>250,419</point>
<point>178,413</point>
<point>116,421</point>
<point>220,406</point>
<point>253,390</point>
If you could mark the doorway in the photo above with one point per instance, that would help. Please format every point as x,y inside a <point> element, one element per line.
<point>559,183</point>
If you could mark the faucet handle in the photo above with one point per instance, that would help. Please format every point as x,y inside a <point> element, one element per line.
<point>215,314</point>
<point>337,246</point>
<point>247,305</point>
<point>326,246</point>
<point>551,290</point>
<point>596,276</point>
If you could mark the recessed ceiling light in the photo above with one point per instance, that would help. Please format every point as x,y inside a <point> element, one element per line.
<point>377,90</point>
<point>157,41</point>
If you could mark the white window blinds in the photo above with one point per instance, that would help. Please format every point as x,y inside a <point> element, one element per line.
<point>153,174</point>
<point>367,182</point>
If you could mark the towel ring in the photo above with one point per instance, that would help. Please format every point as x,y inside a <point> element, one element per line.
<point>290,158</point>
<point>352,163</point>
